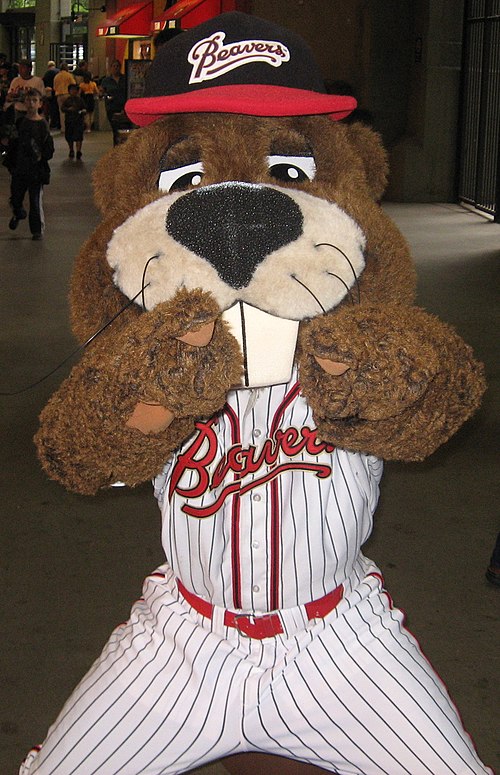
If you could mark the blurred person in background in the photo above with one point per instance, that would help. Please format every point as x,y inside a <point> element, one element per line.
<point>53,107</point>
<point>4,84</point>
<point>11,70</point>
<point>61,83</point>
<point>19,86</point>
<point>73,108</point>
<point>89,91</point>
<point>7,115</point>
<point>81,70</point>
<point>113,88</point>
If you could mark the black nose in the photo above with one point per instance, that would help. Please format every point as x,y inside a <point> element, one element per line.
<point>234,226</point>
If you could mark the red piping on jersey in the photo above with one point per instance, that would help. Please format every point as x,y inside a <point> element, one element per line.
<point>275,547</point>
<point>235,514</point>
<point>274,591</point>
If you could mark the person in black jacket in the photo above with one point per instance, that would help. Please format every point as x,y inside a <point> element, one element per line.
<point>27,160</point>
<point>113,88</point>
<point>48,80</point>
<point>73,108</point>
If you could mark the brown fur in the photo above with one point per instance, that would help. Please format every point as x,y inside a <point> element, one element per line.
<point>144,361</point>
<point>410,383</point>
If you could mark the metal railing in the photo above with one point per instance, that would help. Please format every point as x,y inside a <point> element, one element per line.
<point>71,54</point>
<point>479,162</point>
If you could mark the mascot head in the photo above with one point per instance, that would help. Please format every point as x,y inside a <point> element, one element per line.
<point>242,182</point>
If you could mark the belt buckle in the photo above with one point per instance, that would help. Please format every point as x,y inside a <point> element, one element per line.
<point>259,627</point>
<point>248,618</point>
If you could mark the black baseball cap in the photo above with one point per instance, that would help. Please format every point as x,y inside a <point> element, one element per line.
<point>236,63</point>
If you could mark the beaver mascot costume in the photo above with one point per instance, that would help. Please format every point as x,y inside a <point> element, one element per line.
<point>259,354</point>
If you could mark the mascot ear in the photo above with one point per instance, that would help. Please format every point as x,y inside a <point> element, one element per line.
<point>369,148</point>
<point>132,160</point>
<point>137,160</point>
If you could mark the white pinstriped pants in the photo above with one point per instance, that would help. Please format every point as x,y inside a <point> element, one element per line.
<point>173,690</point>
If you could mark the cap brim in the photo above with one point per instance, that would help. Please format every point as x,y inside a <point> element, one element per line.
<point>247,99</point>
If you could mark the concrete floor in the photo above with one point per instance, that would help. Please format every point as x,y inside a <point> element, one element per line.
<point>71,566</point>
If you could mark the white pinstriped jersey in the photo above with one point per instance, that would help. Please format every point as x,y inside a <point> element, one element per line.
<point>258,514</point>
<point>261,521</point>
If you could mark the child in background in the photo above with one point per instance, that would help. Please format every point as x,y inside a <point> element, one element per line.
<point>89,92</point>
<point>27,159</point>
<point>74,110</point>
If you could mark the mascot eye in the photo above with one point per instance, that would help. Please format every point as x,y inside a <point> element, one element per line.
<point>292,169</point>
<point>181,178</point>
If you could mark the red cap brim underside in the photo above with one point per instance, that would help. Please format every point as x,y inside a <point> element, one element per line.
<point>246,99</point>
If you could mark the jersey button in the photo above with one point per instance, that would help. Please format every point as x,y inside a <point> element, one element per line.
<point>257,432</point>
<point>257,497</point>
<point>255,544</point>
<point>256,588</point>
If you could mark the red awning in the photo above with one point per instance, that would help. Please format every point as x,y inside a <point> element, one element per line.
<point>134,21</point>
<point>188,13</point>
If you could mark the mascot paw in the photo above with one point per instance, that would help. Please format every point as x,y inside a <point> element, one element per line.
<point>366,363</point>
<point>162,370</point>
<point>188,362</point>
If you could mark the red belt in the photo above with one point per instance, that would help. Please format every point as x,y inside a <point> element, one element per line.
<point>267,625</point>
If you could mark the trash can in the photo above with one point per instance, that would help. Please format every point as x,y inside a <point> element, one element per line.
<point>100,118</point>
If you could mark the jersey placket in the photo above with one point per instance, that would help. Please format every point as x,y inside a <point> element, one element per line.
<point>255,503</point>
<point>256,540</point>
